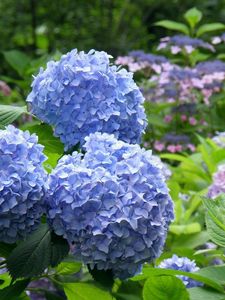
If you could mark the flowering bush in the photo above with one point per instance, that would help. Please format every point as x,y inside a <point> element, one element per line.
<point>112,204</point>
<point>23,184</point>
<point>82,93</point>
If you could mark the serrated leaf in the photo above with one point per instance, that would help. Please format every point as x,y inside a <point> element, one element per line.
<point>13,292</point>
<point>164,288</point>
<point>9,113</point>
<point>86,291</point>
<point>59,249</point>
<point>215,219</point>
<point>193,16</point>
<point>209,27</point>
<point>173,26</point>
<point>32,256</point>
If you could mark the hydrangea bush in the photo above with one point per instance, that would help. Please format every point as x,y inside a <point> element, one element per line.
<point>22,184</point>
<point>83,93</point>
<point>112,204</point>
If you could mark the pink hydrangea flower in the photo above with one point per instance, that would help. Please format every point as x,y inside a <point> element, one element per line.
<point>191,147</point>
<point>183,118</point>
<point>159,146</point>
<point>192,121</point>
<point>168,118</point>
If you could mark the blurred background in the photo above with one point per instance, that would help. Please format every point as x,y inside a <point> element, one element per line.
<point>36,27</point>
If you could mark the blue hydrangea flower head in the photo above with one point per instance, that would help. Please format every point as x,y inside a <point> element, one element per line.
<point>112,204</point>
<point>83,93</point>
<point>22,184</point>
<point>181,264</point>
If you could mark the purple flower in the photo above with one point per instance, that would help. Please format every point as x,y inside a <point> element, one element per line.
<point>178,42</point>
<point>112,204</point>
<point>182,264</point>
<point>22,184</point>
<point>83,93</point>
<point>218,185</point>
<point>219,139</point>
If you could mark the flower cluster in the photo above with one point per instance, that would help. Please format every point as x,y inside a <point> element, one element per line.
<point>139,60</point>
<point>22,184</point>
<point>218,185</point>
<point>181,264</point>
<point>188,85</point>
<point>174,143</point>
<point>219,139</point>
<point>112,204</point>
<point>179,43</point>
<point>82,94</point>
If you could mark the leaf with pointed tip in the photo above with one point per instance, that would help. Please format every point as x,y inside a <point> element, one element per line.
<point>32,256</point>
<point>9,113</point>
<point>173,26</point>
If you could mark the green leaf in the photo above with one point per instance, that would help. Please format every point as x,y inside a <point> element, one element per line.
<point>68,266</point>
<point>198,293</point>
<point>173,26</point>
<point>209,27</point>
<point>191,241</point>
<point>193,16</point>
<point>105,278</point>
<point>185,228</point>
<point>32,256</point>
<point>85,291</point>
<point>5,280</point>
<point>215,272</point>
<point>59,249</point>
<point>164,288</point>
<point>129,290</point>
<point>13,292</point>
<point>6,249</point>
<point>9,113</point>
<point>40,250</point>
<point>149,271</point>
<point>46,138</point>
<point>215,219</point>
<point>17,60</point>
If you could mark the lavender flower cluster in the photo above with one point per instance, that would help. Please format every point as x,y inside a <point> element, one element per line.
<point>182,264</point>
<point>179,43</point>
<point>188,85</point>
<point>22,184</point>
<point>112,204</point>
<point>218,185</point>
<point>140,61</point>
<point>82,93</point>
